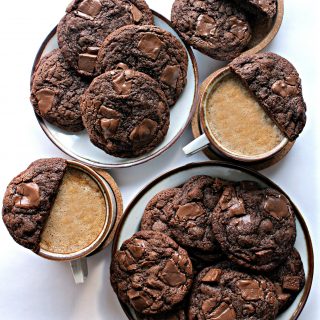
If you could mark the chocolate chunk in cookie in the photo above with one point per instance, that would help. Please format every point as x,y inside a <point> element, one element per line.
<point>151,273</point>
<point>226,294</point>
<point>56,91</point>
<point>86,24</point>
<point>216,27</point>
<point>289,279</point>
<point>276,85</point>
<point>185,215</point>
<point>125,113</point>
<point>255,228</point>
<point>29,198</point>
<point>148,49</point>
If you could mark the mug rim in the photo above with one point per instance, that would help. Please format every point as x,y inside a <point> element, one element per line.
<point>216,77</point>
<point>107,226</point>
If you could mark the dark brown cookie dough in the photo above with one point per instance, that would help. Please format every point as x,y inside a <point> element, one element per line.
<point>56,91</point>
<point>125,113</point>
<point>215,27</point>
<point>226,294</point>
<point>29,198</point>
<point>186,215</point>
<point>151,273</point>
<point>86,24</point>
<point>276,84</point>
<point>289,279</point>
<point>255,228</point>
<point>150,50</point>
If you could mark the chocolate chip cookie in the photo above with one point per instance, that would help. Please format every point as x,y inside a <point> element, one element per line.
<point>151,273</point>
<point>125,113</point>
<point>226,294</point>
<point>289,279</point>
<point>276,85</point>
<point>255,228</point>
<point>86,24</point>
<point>29,198</point>
<point>148,49</point>
<point>214,27</point>
<point>185,216</point>
<point>56,91</point>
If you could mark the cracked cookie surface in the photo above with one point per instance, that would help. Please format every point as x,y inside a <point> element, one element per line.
<point>214,27</point>
<point>255,227</point>
<point>275,83</point>
<point>86,24</point>
<point>150,50</point>
<point>151,273</point>
<point>226,294</point>
<point>29,198</point>
<point>125,113</point>
<point>56,90</point>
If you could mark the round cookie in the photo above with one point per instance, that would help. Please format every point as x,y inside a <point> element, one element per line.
<point>255,228</point>
<point>275,83</point>
<point>148,49</point>
<point>214,27</point>
<point>86,24</point>
<point>125,113</point>
<point>55,92</point>
<point>223,293</point>
<point>29,198</point>
<point>289,279</point>
<point>186,216</point>
<point>151,273</point>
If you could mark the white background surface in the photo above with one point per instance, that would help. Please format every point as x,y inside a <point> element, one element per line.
<point>33,288</point>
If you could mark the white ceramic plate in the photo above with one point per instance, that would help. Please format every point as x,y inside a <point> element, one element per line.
<point>78,145</point>
<point>132,216</point>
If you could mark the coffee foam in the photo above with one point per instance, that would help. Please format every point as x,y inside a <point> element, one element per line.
<point>238,122</point>
<point>77,216</point>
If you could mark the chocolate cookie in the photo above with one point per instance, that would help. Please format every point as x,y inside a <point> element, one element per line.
<point>151,273</point>
<point>266,7</point>
<point>226,294</point>
<point>289,279</point>
<point>215,27</point>
<point>56,91</point>
<point>255,228</point>
<point>276,84</point>
<point>148,49</point>
<point>86,24</point>
<point>29,198</point>
<point>125,113</point>
<point>186,215</point>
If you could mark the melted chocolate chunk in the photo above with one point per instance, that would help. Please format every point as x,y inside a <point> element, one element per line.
<point>162,275</point>
<point>29,198</point>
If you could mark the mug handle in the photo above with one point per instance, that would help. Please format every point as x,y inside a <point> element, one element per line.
<point>79,270</point>
<point>196,145</point>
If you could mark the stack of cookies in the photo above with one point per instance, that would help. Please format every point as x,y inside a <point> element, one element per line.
<point>115,74</point>
<point>223,29</point>
<point>211,249</point>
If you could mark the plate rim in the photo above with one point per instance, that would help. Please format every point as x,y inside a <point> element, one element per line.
<point>99,165</point>
<point>216,163</point>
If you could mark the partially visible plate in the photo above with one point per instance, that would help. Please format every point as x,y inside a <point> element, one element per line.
<point>130,221</point>
<point>78,145</point>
